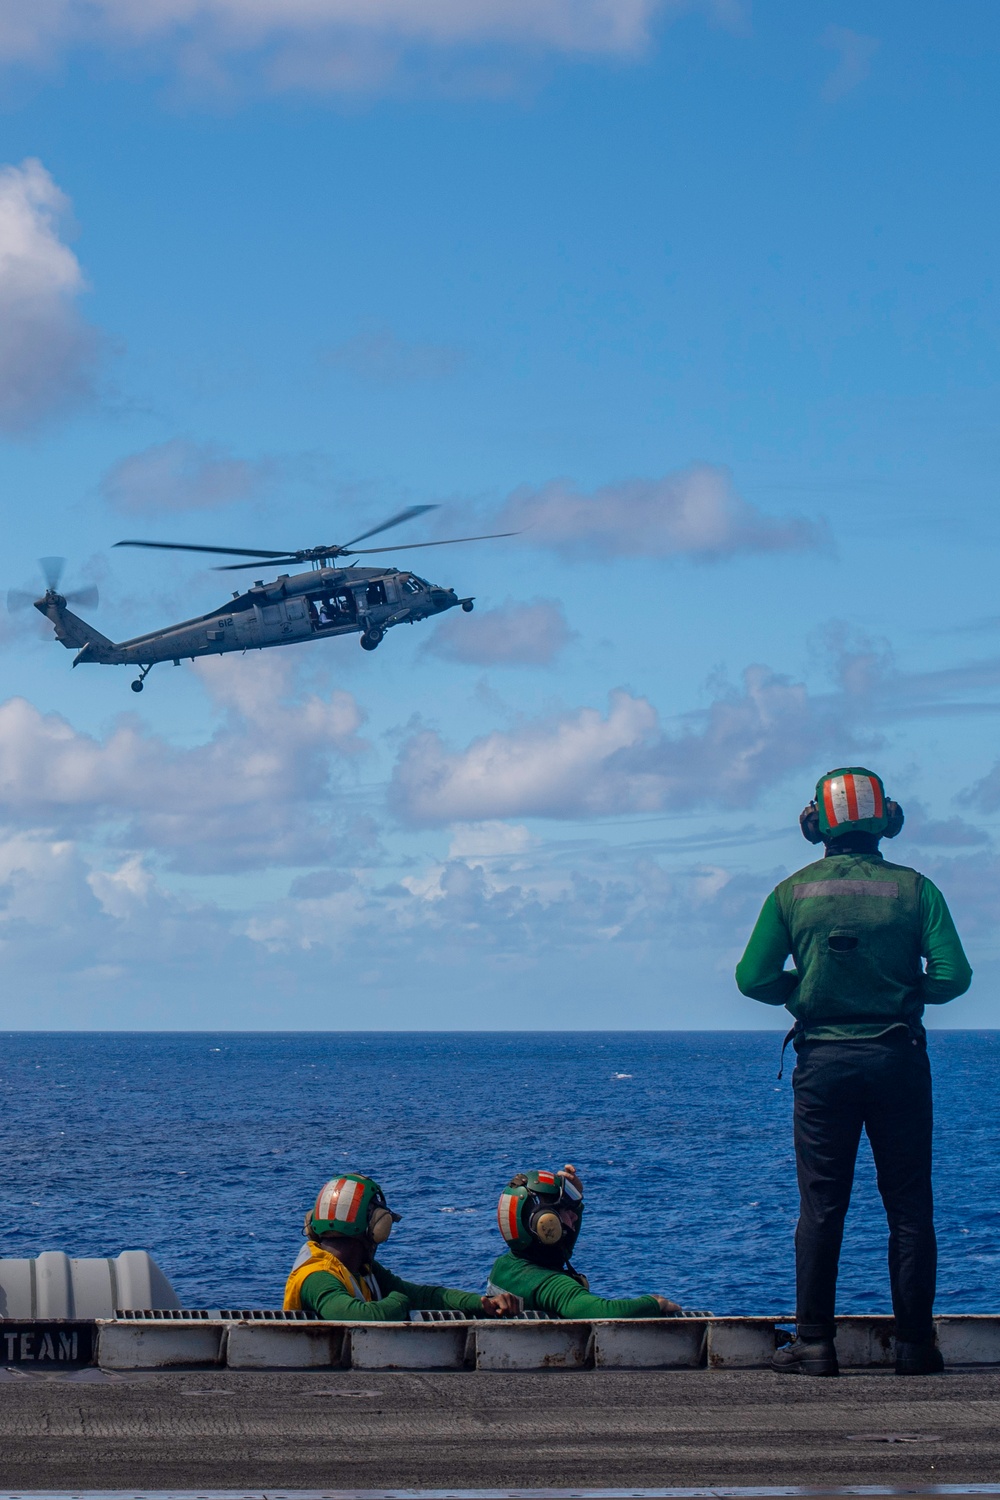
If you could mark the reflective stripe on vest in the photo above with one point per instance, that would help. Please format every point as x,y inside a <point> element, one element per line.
<point>313,1258</point>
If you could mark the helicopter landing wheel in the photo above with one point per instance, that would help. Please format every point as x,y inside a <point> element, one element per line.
<point>371,638</point>
<point>137,685</point>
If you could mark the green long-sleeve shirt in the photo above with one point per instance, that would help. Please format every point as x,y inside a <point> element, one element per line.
<point>542,1290</point>
<point>857,929</point>
<point>325,1296</point>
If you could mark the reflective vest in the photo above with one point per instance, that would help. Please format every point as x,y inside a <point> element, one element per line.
<point>313,1258</point>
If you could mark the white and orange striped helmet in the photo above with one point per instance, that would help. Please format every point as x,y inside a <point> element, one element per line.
<point>532,1208</point>
<point>353,1206</point>
<point>851,799</point>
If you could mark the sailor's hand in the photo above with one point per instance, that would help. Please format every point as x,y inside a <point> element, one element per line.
<point>570,1173</point>
<point>501,1305</point>
<point>668,1308</point>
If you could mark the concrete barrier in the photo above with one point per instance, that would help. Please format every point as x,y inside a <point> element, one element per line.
<point>865,1343</point>
<point>408,1346</point>
<point>55,1285</point>
<point>184,1341</point>
<point>554,1345</point>
<point>969,1340</point>
<point>650,1344</point>
<point>740,1343</point>
<point>264,1346</point>
<point>159,1346</point>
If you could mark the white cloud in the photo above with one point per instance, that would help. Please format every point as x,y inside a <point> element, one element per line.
<point>945,833</point>
<point>182,475</point>
<point>512,635</point>
<point>855,53</point>
<point>695,512</point>
<point>524,905</point>
<point>103,942</point>
<point>584,764</point>
<point>254,794</point>
<point>120,891</point>
<point>326,44</point>
<point>381,357</point>
<point>476,842</point>
<point>47,351</point>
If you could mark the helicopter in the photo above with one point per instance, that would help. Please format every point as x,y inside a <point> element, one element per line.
<point>325,600</point>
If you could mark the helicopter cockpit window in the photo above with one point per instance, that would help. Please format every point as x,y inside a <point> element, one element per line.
<point>411,585</point>
<point>376,592</point>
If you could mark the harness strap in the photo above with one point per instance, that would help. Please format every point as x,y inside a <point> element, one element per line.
<point>781,1059</point>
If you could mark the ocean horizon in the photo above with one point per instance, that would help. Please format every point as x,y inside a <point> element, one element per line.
<point>206,1148</point>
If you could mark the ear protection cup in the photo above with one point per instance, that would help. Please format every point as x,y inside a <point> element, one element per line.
<point>894,813</point>
<point>546,1226</point>
<point>809,823</point>
<point>380,1225</point>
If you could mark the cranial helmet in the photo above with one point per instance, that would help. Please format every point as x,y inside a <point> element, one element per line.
<point>353,1206</point>
<point>850,800</point>
<point>528,1211</point>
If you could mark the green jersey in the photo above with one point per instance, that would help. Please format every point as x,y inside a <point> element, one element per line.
<point>857,929</point>
<point>328,1298</point>
<point>544,1290</point>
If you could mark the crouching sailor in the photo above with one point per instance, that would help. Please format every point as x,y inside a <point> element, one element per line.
<point>337,1277</point>
<point>539,1216</point>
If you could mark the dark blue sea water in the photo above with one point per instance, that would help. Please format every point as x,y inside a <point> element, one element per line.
<point>207,1149</point>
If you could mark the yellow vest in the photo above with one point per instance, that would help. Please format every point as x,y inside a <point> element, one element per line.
<point>365,1288</point>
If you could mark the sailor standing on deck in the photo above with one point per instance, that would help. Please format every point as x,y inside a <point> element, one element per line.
<point>857,928</point>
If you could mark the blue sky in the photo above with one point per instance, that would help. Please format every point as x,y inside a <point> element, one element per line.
<point>703,296</point>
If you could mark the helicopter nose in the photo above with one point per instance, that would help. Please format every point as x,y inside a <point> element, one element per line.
<point>443,598</point>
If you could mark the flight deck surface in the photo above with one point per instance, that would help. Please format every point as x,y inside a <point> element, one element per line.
<point>337,1430</point>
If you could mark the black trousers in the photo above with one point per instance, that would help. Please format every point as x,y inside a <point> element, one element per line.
<point>884,1087</point>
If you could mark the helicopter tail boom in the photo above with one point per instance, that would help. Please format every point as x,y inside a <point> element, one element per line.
<point>75,634</point>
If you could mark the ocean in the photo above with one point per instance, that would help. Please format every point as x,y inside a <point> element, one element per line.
<point>208,1149</point>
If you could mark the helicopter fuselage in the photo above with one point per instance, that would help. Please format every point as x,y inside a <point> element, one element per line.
<point>324,601</point>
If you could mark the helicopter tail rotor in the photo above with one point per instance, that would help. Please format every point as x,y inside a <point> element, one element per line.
<point>52,571</point>
<point>87,598</point>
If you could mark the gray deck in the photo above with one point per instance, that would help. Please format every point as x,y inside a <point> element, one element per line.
<point>345,1429</point>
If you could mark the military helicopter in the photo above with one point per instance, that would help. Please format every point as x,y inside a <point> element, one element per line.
<point>326,600</point>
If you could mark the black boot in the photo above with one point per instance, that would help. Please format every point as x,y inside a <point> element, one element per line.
<point>919,1359</point>
<point>806,1357</point>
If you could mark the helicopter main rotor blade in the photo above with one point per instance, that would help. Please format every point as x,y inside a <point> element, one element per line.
<point>190,547</point>
<point>447,541</point>
<point>235,567</point>
<point>404,515</point>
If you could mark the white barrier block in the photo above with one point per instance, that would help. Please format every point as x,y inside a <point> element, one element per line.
<point>158,1346</point>
<point>532,1346</point>
<point>649,1344</point>
<point>408,1346</point>
<point>865,1342</point>
<point>740,1343</point>
<point>267,1346</point>
<point>969,1340</point>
